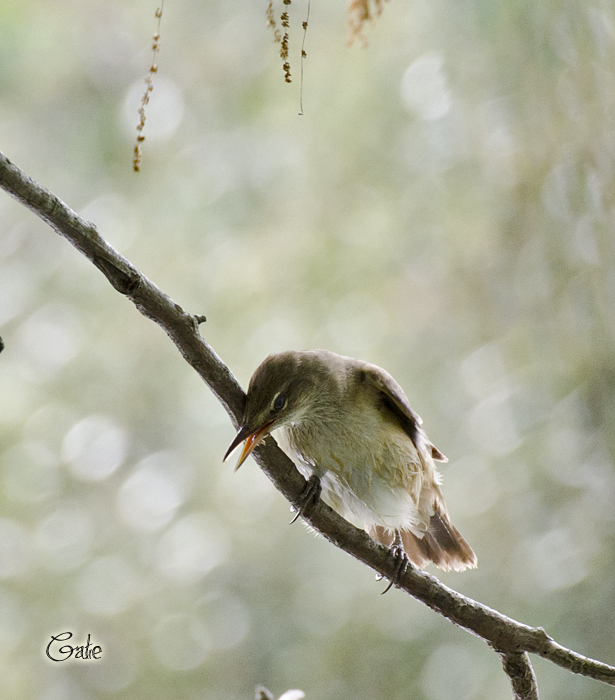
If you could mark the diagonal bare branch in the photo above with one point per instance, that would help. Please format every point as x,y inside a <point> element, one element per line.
<point>511,639</point>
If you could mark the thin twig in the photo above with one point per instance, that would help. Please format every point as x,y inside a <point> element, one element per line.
<point>508,637</point>
<point>518,668</point>
<point>303,56</point>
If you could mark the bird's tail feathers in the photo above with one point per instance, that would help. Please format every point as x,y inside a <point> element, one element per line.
<point>441,544</point>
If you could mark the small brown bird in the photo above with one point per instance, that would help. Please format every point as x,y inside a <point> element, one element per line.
<point>353,435</point>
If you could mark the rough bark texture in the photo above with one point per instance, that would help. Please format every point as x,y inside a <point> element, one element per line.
<point>518,668</point>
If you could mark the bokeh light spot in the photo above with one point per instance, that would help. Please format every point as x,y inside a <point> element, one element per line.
<point>50,338</point>
<point>181,642</point>
<point>424,88</point>
<point>107,586</point>
<point>29,472</point>
<point>149,497</point>
<point>14,620</point>
<point>192,547</point>
<point>65,538</point>
<point>226,617</point>
<point>452,673</point>
<point>557,561</point>
<point>94,448</point>
<point>15,549</point>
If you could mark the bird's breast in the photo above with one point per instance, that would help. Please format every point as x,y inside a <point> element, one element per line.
<point>368,466</point>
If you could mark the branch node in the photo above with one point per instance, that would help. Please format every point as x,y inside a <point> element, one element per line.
<point>123,282</point>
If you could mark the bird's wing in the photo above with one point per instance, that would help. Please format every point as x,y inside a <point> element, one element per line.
<point>396,402</point>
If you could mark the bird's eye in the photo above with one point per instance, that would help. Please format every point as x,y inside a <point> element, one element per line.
<point>279,402</point>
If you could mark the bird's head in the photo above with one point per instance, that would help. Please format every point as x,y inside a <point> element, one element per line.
<point>278,394</point>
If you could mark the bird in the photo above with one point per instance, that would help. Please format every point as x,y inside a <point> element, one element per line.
<point>350,430</point>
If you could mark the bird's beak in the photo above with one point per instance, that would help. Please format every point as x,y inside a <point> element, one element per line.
<point>252,438</point>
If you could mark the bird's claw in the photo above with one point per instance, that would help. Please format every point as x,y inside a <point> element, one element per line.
<point>308,498</point>
<point>401,561</point>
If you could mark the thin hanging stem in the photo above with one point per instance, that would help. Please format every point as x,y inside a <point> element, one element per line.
<point>303,55</point>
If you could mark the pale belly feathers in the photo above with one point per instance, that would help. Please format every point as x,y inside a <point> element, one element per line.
<point>393,485</point>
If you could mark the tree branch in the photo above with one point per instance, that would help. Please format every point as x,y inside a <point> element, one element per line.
<point>518,668</point>
<point>510,639</point>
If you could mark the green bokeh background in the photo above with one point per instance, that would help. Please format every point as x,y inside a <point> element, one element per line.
<point>444,208</point>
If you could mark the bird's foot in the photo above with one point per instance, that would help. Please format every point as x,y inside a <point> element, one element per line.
<point>308,498</point>
<point>400,560</point>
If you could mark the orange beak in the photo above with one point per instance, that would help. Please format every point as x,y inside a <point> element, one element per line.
<point>252,439</point>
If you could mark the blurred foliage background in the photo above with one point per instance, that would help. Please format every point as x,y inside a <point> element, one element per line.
<point>444,208</point>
